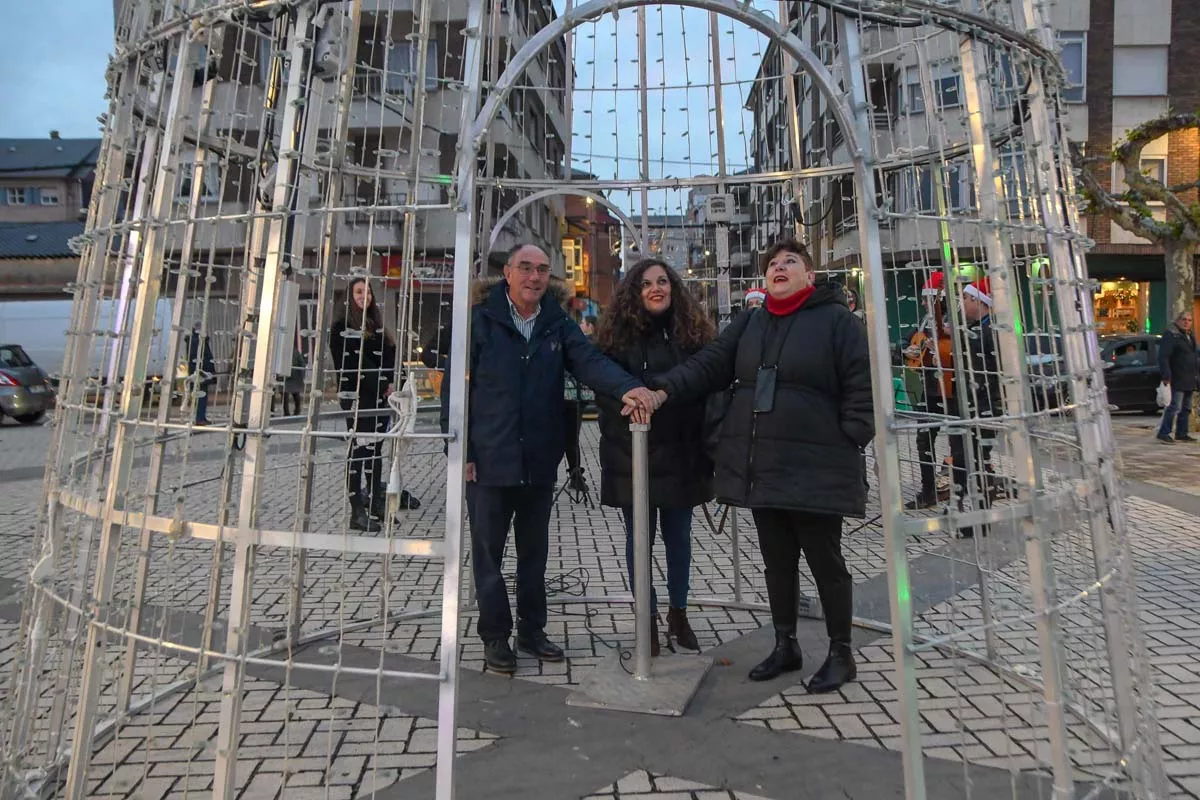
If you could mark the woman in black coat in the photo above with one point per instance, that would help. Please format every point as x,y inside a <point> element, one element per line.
<point>366,360</point>
<point>791,445</point>
<point>652,325</point>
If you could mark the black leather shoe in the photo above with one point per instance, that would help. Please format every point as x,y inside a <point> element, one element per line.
<point>537,644</point>
<point>499,656</point>
<point>921,501</point>
<point>837,670</point>
<point>786,657</point>
<point>679,629</point>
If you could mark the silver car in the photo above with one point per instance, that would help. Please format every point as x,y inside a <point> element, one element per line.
<point>25,390</point>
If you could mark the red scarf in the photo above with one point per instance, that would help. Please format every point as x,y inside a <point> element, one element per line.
<point>786,305</point>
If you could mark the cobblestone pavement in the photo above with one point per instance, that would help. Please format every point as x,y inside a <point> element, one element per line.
<point>300,742</point>
<point>1144,458</point>
<point>662,787</point>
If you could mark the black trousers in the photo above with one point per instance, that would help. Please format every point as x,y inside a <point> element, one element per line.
<point>926,441</point>
<point>364,465</point>
<point>492,510</point>
<point>574,420</point>
<point>980,443</point>
<point>782,537</point>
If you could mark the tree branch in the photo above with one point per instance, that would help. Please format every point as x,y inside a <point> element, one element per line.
<point>1129,155</point>
<point>1100,199</point>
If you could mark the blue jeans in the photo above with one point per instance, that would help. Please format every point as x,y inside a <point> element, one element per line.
<point>675,527</point>
<point>1176,414</point>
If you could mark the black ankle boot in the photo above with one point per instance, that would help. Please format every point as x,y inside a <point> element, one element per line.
<point>379,502</point>
<point>360,519</point>
<point>786,657</point>
<point>837,670</point>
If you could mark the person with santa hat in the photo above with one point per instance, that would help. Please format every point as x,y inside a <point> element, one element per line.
<point>755,297</point>
<point>929,352</point>
<point>983,396</point>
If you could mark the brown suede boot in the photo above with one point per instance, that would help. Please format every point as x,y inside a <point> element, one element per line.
<point>679,629</point>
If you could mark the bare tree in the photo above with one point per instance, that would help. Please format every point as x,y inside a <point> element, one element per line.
<point>1179,233</point>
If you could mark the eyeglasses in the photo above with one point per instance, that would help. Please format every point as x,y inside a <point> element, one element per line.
<point>525,268</point>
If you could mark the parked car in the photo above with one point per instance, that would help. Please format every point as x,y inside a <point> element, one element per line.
<point>25,390</point>
<point>1131,372</point>
<point>1047,370</point>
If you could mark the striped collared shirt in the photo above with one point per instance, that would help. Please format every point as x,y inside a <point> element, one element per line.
<point>524,326</point>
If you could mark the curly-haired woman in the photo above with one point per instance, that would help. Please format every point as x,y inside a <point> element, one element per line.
<point>652,325</point>
<point>791,443</point>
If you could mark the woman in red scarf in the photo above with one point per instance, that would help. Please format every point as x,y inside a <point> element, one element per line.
<point>791,444</point>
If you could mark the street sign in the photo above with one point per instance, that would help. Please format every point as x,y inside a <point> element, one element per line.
<point>719,207</point>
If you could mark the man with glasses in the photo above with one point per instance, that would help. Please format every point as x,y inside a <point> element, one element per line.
<point>1177,361</point>
<point>521,343</point>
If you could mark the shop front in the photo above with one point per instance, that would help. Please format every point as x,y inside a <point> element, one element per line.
<point>1129,293</point>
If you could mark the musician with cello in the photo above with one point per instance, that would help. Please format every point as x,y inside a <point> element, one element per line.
<point>930,351</point>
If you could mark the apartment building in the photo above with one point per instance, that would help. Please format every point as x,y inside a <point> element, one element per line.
<point>1125,61</point>
<point>527,141</point>
<point>45,187</point>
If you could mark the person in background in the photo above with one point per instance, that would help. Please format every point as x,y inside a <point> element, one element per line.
<point>853,304</point>
<point>1177,362</point>
<point>929,352</point>
<point>983,399</point>
<point>652,325</point>
<point>200,371</point>
<point>521,344</point>
<point>588,326</point>
<point>755,297</point>
<point>792,444</point>
<point>366,360</point>
<point>293,384</point>
<point>575,397</point>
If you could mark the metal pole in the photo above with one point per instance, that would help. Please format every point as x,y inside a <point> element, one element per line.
<point>644,113</point>
<point>459,369</point>
<point>641,548</point>
<point>962,380</point>
<point>977,87</point>
<point>793,124</point>
<point>279,254</point>
<point>1090,413</point>
<point>887,453</point>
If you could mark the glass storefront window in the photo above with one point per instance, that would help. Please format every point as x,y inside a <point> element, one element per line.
<point>1121,307</point>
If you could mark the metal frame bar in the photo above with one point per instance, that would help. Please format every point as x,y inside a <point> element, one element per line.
<point>887,454</point>
<point>498,226</point>
<point>459,405</point>
<point>278,256</point>
<point>112,520</point>
<point>990,193</point>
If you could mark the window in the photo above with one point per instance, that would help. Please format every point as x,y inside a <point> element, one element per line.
<point>401,69</point>
<point>1017,189</point>
<point>211,175</point>
<point>16,196</point>
<point>49,197</point>
<point>1004,81</point>
<point>1131,354</point>
<point>1139,71</point>
<point>1074,61</point>
<point>914,98</point>
<point>1155,168</point>
<point>947,89</point>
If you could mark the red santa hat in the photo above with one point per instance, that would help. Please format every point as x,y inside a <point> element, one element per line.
<point>756,293</point>
<point>981,290</point>
<point>935,286</point>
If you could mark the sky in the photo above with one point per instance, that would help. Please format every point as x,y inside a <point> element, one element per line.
<point>53,54</point>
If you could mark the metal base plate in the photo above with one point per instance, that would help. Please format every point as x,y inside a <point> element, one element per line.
<point>673,682</point>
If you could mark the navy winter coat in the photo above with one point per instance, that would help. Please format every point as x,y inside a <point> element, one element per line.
<point>517,429</point>
<point>1177,359</point>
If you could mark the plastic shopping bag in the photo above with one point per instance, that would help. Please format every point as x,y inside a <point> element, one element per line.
<point>1163,395</point>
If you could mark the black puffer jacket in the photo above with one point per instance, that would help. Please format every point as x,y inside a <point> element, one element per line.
<point>366,363</point>
<point>1177,359</point>
<point>681,473</point>
<point>805,454</point>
